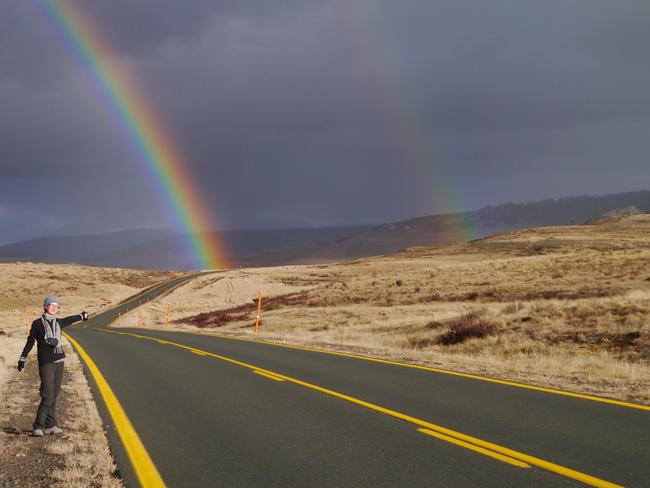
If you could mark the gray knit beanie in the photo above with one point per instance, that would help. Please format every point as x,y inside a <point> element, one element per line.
<point>49,299</point>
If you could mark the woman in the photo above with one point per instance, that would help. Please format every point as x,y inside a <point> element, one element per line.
<point>46,332</point>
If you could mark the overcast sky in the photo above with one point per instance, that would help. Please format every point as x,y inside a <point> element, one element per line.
<point>314,113</point>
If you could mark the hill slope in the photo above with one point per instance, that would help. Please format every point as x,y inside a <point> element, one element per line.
<point>168,250</point>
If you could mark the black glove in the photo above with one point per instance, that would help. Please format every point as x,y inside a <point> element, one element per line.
<point>84,315</point>
<point>21,364</point>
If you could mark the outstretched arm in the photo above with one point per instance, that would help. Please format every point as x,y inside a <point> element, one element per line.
<point>66,321</point>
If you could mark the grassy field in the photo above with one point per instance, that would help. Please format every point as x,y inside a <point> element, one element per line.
<point>566,307</point>
<point>79,457</point>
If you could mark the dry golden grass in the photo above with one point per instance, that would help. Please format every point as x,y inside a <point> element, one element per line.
<point>24,285</point>
<point>567,307</point>
<point>80,457</point>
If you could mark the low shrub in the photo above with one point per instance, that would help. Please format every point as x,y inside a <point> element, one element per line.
<point>218,318</point>
<point>465,327</point>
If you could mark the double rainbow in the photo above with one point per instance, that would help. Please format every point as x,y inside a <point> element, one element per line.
<point>144,129</point>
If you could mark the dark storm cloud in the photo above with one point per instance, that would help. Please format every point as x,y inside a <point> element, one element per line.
<point>143,25</point>
<point>330,112</point>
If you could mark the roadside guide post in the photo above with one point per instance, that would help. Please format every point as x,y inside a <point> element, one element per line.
<point>259,309</point>
<point>168,313</point>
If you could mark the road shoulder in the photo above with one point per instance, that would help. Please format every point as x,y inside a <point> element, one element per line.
<point>79,457</point>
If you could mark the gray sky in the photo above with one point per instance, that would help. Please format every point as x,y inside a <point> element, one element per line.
<point>312,113</point>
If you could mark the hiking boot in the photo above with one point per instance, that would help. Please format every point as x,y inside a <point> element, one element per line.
<point>37,433</point>
<point>54,430</point>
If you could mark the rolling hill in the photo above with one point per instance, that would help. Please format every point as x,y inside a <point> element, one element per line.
<point>163,249</point>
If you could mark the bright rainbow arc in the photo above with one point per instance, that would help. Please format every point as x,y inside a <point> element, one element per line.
<point>136,117</point>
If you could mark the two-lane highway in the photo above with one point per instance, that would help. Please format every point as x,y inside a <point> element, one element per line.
<point>214,411</point>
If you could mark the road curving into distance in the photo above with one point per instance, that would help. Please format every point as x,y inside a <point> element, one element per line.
<point>207,410</point>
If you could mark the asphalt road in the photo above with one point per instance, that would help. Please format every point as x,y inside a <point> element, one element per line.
<point>215,411</point>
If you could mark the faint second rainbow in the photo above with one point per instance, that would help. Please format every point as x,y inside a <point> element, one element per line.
<point>412,134</point>
<point>130,108</point>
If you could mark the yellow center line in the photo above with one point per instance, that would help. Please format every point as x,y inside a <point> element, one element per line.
<point>526,386</point>
<point>143,466</point>
<point>520,456</point>
<point>270,376</point>
<point>467,445</point>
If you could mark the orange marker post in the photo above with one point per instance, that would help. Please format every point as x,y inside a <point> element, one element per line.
<point>259,309</point>
<point>168,313</point>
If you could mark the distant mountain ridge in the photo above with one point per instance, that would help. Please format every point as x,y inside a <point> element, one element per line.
<point>147,248</point>
<point>82,248</point>
<point>562,211</point>
<point>448,228</point>
<point>161,249</point>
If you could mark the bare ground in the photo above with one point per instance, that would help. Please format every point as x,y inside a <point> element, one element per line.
<point>563,307</point>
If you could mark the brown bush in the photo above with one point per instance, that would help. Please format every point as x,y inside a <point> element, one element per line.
<point>287,300</point>
<point>570,294</point>
<point>465,327</point>
<point>218,318</point>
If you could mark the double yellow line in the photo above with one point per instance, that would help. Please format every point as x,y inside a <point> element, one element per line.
<point>496,451</point>
<point>582,396</point>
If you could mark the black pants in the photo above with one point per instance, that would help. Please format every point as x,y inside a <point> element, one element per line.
<point>51,377</point>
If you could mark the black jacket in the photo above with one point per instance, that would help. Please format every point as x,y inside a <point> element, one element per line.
<point>46,354</point>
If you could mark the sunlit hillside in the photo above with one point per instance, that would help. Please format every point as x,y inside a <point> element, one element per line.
<point>562,306</point>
